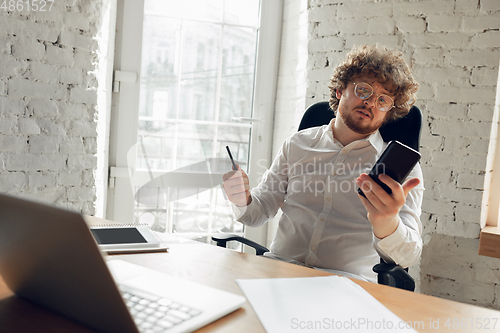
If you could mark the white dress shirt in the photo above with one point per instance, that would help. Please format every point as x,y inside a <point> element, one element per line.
<point>324,224</point>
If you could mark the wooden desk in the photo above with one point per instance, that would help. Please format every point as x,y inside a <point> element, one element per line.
<point>218,267</point>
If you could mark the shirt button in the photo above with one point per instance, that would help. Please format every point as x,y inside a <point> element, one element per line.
<point>328,199</point>
<point>313,248</point>
<point>322,219</point>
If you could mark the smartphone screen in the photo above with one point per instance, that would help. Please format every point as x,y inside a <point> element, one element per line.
<point>396,161</point>
<point>107,236</point>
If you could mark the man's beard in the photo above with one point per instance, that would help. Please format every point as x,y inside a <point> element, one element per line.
<point>355,125</point>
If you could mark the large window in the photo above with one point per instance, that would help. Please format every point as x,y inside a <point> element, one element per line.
<point>198,67</point>
<point>195,94</point>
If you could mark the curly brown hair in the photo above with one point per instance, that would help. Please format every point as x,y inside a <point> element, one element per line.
<point>387,66</point>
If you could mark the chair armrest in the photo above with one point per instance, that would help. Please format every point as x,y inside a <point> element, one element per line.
<point>394,275</point>
<point>222,239</point>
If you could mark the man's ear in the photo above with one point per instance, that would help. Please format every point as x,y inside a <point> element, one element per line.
<point>338,93</point>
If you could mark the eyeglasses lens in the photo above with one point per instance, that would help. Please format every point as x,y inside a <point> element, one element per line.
<point>364,91</point>
<point>384,103</point>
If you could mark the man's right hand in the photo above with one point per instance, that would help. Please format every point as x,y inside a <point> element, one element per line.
<point>237,187</point>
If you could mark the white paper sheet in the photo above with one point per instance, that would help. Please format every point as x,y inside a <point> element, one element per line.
<point>318,304</point>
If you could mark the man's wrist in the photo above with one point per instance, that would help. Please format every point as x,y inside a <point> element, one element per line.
<point>387,229</point>
<point>249,201</point>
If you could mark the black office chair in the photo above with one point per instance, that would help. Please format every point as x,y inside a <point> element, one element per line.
<point>406,130</point>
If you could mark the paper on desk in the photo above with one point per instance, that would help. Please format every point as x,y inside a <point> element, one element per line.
<point>318,304</point>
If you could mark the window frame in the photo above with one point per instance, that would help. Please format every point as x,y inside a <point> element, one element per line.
<point>265,85</point>
<point>489,238</point>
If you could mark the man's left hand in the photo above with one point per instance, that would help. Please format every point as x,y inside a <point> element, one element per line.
<point>383,208</point>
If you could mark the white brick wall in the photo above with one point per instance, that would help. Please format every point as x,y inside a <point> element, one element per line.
<point>48,100</point>
<point>453,47</point>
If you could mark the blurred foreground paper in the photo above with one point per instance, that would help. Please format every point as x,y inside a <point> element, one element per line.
<point>318,304</point>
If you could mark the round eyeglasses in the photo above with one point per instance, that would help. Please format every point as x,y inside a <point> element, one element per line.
<point>364,91</point>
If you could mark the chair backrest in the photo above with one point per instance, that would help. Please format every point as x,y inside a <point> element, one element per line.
<point>406,129</point>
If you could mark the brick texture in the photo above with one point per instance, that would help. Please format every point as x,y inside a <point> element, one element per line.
<point>47,137</point>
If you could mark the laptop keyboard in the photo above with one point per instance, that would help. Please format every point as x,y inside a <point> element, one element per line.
<point>152,314</point>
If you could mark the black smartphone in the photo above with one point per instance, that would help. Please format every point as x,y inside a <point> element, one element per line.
<point>396,161</point>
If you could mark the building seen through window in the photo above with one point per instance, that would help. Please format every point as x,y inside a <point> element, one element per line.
<point>197,78</point>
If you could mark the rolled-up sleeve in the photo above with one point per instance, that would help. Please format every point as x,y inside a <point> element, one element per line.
<point>404,246</point>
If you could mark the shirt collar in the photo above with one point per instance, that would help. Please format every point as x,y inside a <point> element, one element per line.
<point>376,141</point>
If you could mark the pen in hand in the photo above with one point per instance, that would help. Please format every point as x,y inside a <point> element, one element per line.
<point>231,157</point>
<point>234,192</point>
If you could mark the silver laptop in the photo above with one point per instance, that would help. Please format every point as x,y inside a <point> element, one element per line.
<point>48,256</point>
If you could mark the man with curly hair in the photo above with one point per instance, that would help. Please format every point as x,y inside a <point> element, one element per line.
<point>315,176</point>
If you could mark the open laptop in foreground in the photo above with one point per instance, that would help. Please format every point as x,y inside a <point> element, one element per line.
<point>49,256</point>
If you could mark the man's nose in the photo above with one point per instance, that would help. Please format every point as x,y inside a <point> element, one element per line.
<point>371,101</point>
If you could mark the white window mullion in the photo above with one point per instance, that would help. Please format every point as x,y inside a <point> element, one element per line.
<point>179,87</point>
<point>220,60</point>
<point>123,134</point>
